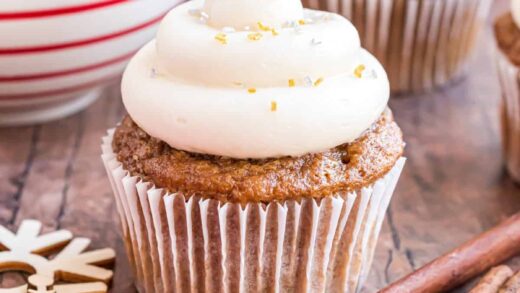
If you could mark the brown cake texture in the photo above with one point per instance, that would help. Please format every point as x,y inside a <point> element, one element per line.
<point>345,168</point>
<point>508,37</point>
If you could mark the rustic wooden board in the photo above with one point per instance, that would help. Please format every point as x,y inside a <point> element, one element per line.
<point>453,186</point>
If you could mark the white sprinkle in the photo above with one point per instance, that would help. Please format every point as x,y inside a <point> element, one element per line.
<point>247,28</point>
<point>228,30</point>
<point>316,15</point>
<point>308,20</point>
<point>291,23</point>
<point>315,42</point>
<point>203,17</point>
<point>194,12</point>
<point>326,16</point>
<point>307,81</point>
<point>239,84</point>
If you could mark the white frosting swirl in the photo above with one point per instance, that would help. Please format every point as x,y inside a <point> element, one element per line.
<point>515,11</point>
<point>249,12</point>
<point>191,90</point>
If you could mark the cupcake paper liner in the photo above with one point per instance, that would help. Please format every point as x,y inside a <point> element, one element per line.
<point>510,113</point>
<point>422,44</point>
<point>179,244</point>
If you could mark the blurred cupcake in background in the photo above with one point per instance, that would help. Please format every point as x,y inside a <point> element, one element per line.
<point>507,35</point>
<point>423,44</point>
<point>56,55</point>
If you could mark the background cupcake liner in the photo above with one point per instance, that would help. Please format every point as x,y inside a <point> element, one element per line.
<point>510,113</point>
<point>196,245</point>
<point>422,44</point>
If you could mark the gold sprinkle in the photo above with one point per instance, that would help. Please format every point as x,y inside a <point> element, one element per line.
<point>251,90</point>
<point>301,21</point>
<point>292,83</point>
<point>358,72</point>
<point>254,36</point>
<point>263,27</point>
<point>274,106</point>
<point>221,38</point>
<point>318,81</point>
<point>274,32</point>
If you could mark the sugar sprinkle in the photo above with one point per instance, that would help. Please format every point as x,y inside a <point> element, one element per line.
<point>263,27</point>
<point>254,36</point>
<point>203,17</point>
<point>358,72</point>
<point>195,12</point>
<point>221,38</point>
<point>274,106</point>
<point>307,81</point>
<point>316,42</point>
<point>290,24</point>
<point>228,30</point>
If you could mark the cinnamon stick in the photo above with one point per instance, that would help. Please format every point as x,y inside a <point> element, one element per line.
<point>512,285</point>
<point>493,280</point>
<point>465,262</point>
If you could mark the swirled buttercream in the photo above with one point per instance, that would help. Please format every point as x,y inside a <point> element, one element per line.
<point>254,79</point>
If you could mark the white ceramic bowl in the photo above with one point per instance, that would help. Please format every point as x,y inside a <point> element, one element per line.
<point>56,55</point>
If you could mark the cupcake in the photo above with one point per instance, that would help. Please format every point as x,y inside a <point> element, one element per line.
<point>258,153</point>
<point>422,44</point>
<point>507,35</point>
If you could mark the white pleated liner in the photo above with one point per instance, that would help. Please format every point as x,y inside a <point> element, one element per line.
<point>194,245</point>
<point>422,44</point>
<point>510,113</point>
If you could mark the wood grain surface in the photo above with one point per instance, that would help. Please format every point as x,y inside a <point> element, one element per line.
<point>453,187</point>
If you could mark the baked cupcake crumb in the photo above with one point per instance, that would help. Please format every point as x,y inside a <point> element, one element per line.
<point>344,168</point>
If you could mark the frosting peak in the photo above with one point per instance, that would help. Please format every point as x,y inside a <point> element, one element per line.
<point>263,56</point>
<point>241,13</point>
<point>295,81</point>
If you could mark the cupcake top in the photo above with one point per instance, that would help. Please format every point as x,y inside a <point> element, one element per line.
<point>335,172</point>
<point>254,79</point>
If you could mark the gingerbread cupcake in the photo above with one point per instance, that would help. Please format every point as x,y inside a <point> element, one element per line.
<point>258,153</point>
<point>423,44</point>
<point>507,35</point>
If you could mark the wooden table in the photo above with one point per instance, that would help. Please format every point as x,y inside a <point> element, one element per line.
<point>453,186</point>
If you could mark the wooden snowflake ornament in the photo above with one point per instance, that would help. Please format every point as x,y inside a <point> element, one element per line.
<point>27,251</point>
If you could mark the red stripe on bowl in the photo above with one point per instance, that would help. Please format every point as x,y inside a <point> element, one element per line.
<point>80,43</point>
<point>45,94</point>
<point>57,11</point>
<point>72,71</point>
